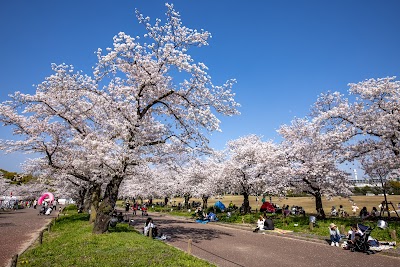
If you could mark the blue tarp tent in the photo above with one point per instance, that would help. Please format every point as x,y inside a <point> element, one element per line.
<point>219,205</point>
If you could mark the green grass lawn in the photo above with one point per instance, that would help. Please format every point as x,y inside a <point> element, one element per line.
<point>71,243</point>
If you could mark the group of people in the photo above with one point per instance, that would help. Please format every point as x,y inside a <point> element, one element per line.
<point>264,222</point>
<point>341,212</point>
<point>46,207</point>
<point>136,207</point>
<point>353,236</point>
<point>201,215</point>
<point>363,213</point>
<point>150,228</point>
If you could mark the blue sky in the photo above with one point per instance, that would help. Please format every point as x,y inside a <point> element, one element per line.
<point>282,53</point>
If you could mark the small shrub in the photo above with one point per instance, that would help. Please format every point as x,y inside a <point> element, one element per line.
<point>70,207</point>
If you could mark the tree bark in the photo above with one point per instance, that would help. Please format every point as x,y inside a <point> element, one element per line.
<point>94,201</point>
<point>384,194</point>
<point>318,205</point>
<point>186,197</point>
<point>246,203</point>
<point>107,206</point>
<point>205,199</point>
<point>81,197</point>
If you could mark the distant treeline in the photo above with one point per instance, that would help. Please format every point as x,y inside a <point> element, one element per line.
<point>16,178</point>
<point>392,188</point>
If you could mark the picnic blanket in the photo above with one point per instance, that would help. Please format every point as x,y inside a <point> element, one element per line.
<point>280,231</point>
<point>383,245</point>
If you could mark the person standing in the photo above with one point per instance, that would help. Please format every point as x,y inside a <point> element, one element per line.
<point>127,205</point>
<point>354,209</point>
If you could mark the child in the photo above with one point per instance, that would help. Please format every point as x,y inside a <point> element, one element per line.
<point>260,224</point>
<point>334,234</point>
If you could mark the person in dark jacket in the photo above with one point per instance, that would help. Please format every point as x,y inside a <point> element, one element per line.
<point>268,223</point>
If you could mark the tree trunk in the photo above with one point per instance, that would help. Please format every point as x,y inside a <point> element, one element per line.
<point>94,201</point>
<point>107,206</point>
<point>187,197</point>
<point>87,202</point>
<point>384,194</point>
<point>318,205</point>
<point>205,199</point>
<point>81,198</point>
<point>246,203</point>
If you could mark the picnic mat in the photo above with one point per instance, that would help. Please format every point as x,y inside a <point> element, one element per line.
<point>280,231</point>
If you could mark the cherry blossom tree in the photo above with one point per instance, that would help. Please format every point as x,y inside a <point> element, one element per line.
<point>98,129</point>
<point>369,125</point>
<point>197,179</point>
<point>208,172</point>
<point>251,167</point>
<point>4,184</point>
<point>314,155</point>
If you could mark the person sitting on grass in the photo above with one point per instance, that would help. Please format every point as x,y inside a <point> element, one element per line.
<point>120,217</point>
<point>342,213</point>
<point>353,235</point>
<point>199,213</point>
<point>260,224</point>
<point>149,224</point>
<point>334,211</point>
<point>268,223</point>
<point>364,214</point>
<point>334,234</point>
<point>212,217</point>
<point>374,212</point>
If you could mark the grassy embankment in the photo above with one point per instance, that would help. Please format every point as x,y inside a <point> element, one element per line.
<point>71,243</point>
<point>302,223</point>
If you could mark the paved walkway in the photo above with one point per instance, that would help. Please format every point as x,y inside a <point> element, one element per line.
<point>227,246</point>
<point>18,230</point>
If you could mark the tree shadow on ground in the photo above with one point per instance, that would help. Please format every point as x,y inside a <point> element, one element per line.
<point>175,230</point>
<point>6,224</point>
<point>12,212</point>
<point>196,234</point>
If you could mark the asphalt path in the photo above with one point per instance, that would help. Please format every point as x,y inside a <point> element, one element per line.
<point>225,246</point>
<point>18,230</point>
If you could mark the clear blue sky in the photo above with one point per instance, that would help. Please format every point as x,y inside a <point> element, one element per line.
<point>282,53</point>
